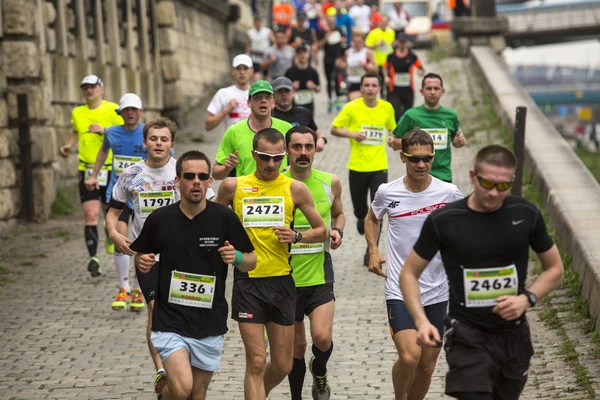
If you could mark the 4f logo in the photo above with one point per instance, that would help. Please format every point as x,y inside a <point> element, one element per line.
<point>393,204</point>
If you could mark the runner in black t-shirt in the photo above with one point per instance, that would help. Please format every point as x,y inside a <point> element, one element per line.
<point>484,242</point>
<point>305,80</point>
<point>196,240</point>
<point>398,74</point>
<point>333,44</point>
<point>302,35</point>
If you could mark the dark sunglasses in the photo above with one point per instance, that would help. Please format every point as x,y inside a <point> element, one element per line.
<point>190,176</point>
<point>489,185</point>
<point>416,159</point>
<point>266,157</point>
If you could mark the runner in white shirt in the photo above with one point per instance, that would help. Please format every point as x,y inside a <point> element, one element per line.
<point>408,201</point>
<point>260,39</point>
<point>359,59</point>
<point>361,14</point>
<point>231,103</point>
<point>399,18</point>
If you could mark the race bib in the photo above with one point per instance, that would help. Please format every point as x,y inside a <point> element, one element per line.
<point>305,248</point>
<point>303,97</point>
<point>122,162</point>
<point>374,135</point>
<point>150,201</point>
<point>402,79</point>
<point>192,290</point>
<point>440,138</point>
<point>483,286</point>
<point>334,38</point>
<point>263,212</point>
<point>386,48</point>
<point>260,45</point>
<point>356,72</point>
<point>102,174</point>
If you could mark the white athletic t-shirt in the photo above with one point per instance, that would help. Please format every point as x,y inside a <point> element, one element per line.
<point>407,212</point>
<point>362,17</point>
<point>260,43</point>
<point>223,96</point>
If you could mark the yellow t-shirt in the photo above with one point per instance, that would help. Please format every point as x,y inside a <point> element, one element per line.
<point>89,143</point>
<point>376,123</point>
<point>381,52</point>
<point>261,205</point>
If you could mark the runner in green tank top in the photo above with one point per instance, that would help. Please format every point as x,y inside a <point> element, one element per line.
<point>312,268</point>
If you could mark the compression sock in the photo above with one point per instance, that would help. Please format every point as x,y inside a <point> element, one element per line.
<point>319,366</point>
<point>90,233</point>
<point>122,266</point>
<point>296,378</point>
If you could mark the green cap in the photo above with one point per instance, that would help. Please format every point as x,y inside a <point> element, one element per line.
<point>260,86</point>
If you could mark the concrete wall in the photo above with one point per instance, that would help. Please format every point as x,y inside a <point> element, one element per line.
<point>570,192</point>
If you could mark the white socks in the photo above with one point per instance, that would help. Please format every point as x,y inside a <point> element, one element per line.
<point>122,266</point>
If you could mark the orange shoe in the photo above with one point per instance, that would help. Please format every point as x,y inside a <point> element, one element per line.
<point>137,300</point>
<point>123,298</point>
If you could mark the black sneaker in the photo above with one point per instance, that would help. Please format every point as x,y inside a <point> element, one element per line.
<point>360,226</point>
<point>94,267</point>
<point>320,387</point>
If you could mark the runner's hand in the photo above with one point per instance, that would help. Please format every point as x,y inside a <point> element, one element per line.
<point>284,234</point>
<point>320,145</point>
<point>296,84</point>
<point>227,253</point>
<point>459,140</point>
<point>428,336</point>
<point>358,136</point>
<point>375,263</point>
<point>92,183</point>
<point>65,150</point>
<point>511,308</point>
<point>145,262</point>
<point>310,84</point>
<point>122,243</point>
<point>232,161</point>
<point>233,103</point>
<point>96,128</point>
<point>336,239</point>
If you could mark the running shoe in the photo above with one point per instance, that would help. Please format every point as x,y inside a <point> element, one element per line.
<point>109,244</point>
<point>137,300</point>
<point>160,382</point>
<point>123,298</point>
<point>320,387</point>
<point>330,106</point>
<point>338,106</point>
<point>94,267</point>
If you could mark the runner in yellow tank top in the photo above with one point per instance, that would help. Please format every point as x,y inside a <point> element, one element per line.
<point>266,297</point>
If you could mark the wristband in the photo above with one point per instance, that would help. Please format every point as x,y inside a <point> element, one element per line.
<point>239,258</point>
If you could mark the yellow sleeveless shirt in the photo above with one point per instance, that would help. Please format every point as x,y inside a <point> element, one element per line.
<point>261,205</point>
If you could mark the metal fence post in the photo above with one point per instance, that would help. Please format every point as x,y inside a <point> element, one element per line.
<point>519,148</point>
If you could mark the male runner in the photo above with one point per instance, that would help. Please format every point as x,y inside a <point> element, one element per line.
<point>280,57</point>
<point>312,266</point>
<point>305,80</point>
<point>231,103</point>
<point>126,144</point>
<point>407,201</point>
<point>148,185</point>
<point>89,122</point>
<point>260,39</point>
<point>196,240</point>
<point>440,122</point>
<point>296,115</point>
<point>265,202</point>
<point>304,35</point>
<point>366,122</point>
<point>235,150</point>
<point>380,40</point>
<point>484,242</point>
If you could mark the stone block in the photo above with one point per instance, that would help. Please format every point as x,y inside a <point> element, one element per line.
<point>20,59</point>
<point>165,13</point>
<point>170,68</point>
<point>173,95</point>
<point>51,40</point>
<point>8,177</point>
<point>167,40</point>
<point>44,145</point>
<point>38,101</point>
<point>49,13</point>
<point>7,226</point>
<point>19,17</point>
<point>3,114</point>
<point>10,204</point>
<point>9,147</point>
<point>44,189</point>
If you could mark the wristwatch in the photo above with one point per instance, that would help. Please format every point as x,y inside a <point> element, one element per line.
<point>298,237</point>
<point>341,232</point>
<point>531,297</point>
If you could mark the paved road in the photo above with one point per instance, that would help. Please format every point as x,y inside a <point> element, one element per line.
<point>61,339</point>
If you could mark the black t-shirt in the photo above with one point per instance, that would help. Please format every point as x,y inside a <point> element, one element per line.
<point>334,45</point>
<point>303,76</point>
<point>469,240</point>
<point>297,116</point>
<point>191,246</point>
<point>306,36</point>
<point>402,65</point>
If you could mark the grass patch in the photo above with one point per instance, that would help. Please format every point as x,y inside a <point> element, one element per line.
<point>28,263</point>
<point>63,204</point>
<point>197,138</point>
<point>440,52</point>
<point>591,159</point>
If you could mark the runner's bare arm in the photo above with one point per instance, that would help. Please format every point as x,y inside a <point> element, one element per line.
<point>213,120</point>
<point>372,228</point>
<point>459,139</point>
<point>144,262</point>
<point>304,201</point>
<point>338,219</point>
<point>226,192</point>
<point>345,133</point>
<point>92,182</point>
<point>121,242</point>
<point>73,139</point>
<point>228,255</point>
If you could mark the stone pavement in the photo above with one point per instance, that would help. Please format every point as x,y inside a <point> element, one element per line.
<point>62,340</point>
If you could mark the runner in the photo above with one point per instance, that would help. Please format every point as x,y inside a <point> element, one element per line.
<point>440,122</point>
<point>398,74</point>
<point>303,35</point>
<point>407,201</point>
<point>361,15</point>
<point>235,150</point>
<point>280,57</point>
<point>147,185</point>
<point>314,13</point>
<point>265,202</point>
<point>305,80</point>
<point>231,103</point>
<point>343,21</point>
<point>380,40</point>
<point>89,122</point>
<point>190,317</point>
<point>366,122</point>
<point>333,44</point>
<point>260,39</point>
<point>359,59</point>
<point>312,265</point>
<point>126,143</point>
<point>488,342</point>
<point>289,112</point>
<point>399,18</point>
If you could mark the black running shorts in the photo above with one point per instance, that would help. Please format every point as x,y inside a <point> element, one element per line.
<point>487,362</point>
<point>261,300</point>
<point>310,297</point>
<point>399,318</point>
<point>148,282</point>
<point>126,214</point>
<point>89,195</point>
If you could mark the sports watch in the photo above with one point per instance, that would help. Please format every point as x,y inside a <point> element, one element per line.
<point>531,297</point>
<point>341,232</point>
<point>298,237</point>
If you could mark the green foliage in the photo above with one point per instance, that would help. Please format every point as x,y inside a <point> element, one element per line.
<point>63,204</point>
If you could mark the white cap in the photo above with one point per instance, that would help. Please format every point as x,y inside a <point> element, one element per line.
<point>130,100</point>
<point>92,80</point>
<point>242,59</point>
